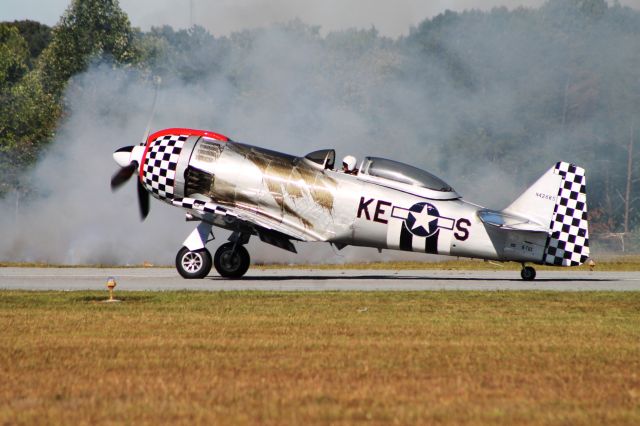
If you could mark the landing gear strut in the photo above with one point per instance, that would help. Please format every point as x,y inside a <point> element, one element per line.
<point>231,260</point>
<point>528,273</point>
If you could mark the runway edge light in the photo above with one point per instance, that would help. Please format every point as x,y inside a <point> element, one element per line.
<point>111,285</point>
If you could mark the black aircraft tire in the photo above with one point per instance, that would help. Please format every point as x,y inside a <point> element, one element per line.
<point>193,264</point>
<point>230,264</point>
<point>528,273</point>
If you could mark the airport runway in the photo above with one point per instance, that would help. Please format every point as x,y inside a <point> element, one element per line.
<point>136,279</point>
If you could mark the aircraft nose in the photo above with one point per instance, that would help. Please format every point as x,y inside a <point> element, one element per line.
<point>123,156</point>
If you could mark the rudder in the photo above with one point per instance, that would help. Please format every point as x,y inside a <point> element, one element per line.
<point>568,243</point>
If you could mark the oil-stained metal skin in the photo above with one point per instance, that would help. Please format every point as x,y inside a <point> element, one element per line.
<point>289,178</point>
<point>227,193</point>
<point>385,204</point>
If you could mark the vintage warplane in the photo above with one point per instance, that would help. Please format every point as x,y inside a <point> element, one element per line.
<point>384,204</point>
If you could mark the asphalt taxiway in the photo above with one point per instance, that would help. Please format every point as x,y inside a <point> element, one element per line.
<point>137,279</point>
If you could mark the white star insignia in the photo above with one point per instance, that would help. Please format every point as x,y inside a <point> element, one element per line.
<point>423,219</point>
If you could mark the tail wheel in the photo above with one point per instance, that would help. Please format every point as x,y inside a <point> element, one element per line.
<point>230,262</point>
<point>528,273</point>
<point>193,264</point>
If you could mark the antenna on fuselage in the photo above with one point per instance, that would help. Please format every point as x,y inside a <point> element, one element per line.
<point>190,13</point>
<point>156,84</point>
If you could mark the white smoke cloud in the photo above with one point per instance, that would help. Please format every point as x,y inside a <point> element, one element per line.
<point>77,220</point>
<point>295,95</point>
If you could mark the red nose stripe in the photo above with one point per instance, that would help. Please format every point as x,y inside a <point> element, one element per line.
<point>187,132</point>
<point>177,131</point>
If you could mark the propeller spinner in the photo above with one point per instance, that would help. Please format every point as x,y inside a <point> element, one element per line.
<point>129,158</point>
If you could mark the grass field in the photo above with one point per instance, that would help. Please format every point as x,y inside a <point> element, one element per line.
<point>339,358</point>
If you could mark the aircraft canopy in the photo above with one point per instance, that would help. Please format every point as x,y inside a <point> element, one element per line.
<point>325,158</point>
<point>403,173</point>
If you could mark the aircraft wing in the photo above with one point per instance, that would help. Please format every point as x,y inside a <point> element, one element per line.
<point>203,207</point>
<point>511,222</point>
<point>269,230</point>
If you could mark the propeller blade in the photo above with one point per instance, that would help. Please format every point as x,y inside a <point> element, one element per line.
<point>143,200</point>
<point>123,175</point>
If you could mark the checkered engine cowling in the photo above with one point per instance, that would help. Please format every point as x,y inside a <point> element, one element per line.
<point>568,244</point>
<point>160,163</point>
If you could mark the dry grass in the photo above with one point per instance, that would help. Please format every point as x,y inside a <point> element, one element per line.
<point>339,358</point>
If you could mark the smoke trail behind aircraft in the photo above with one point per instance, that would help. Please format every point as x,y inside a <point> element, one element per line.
<point>289,89</point>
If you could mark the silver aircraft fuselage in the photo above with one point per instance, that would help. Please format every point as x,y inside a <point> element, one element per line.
<point>384,204</point>
<point>317,203</point>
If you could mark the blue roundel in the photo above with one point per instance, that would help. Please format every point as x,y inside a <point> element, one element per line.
<point>422,220</point>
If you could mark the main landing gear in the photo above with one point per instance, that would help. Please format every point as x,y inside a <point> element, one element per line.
<point>194,261</point>
<point>528,273</point>
<point>231,260</point>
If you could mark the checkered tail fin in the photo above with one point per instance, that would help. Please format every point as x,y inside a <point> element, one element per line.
<point>557,202</point>
<point>568,242</point>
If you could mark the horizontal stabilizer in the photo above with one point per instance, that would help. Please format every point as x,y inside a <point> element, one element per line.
<point>510,222</point>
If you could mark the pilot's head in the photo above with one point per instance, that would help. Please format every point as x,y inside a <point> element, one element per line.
<point>349,164</point>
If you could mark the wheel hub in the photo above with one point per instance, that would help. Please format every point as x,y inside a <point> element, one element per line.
<point>192,262</point>
<point>230,260</point>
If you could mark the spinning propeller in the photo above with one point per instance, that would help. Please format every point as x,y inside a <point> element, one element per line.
<point>130,157</point>
<point>127,157</point>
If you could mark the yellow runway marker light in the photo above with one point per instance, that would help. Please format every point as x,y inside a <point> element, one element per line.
<point>111,285</point>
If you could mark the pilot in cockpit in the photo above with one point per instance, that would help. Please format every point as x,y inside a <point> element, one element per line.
<point>349,165</point>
